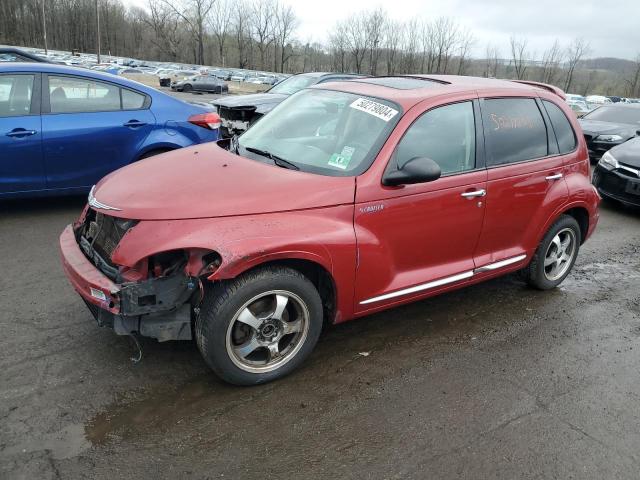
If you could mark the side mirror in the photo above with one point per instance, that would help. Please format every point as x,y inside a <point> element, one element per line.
<point>416,170</point>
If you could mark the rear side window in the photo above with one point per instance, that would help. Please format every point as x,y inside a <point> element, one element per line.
<point>561,126</point>
<point>514,130</point>
<point>132,100</point>
<point>74,94</point>
<point>15,95</point>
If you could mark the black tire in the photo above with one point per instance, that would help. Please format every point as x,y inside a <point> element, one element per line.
<point>223,302</point>
<point>187,88</point>
<point>535,274</point>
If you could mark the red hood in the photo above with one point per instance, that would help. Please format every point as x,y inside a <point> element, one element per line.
<point>207,181</point>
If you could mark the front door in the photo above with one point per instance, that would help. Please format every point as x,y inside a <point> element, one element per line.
<point>21,164</point>
<point>419,238</point>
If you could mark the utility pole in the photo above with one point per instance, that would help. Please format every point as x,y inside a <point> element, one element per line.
<point>98,29</point>
<point>44,29</point>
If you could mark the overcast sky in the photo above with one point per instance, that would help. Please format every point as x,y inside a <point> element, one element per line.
<point>612,29</point>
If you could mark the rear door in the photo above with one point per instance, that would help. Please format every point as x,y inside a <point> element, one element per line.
<point>21,163</point>
<point>525,183</point>
<point>90,128</point>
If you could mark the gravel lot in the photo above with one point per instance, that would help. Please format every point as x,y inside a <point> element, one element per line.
<point>493,381</point>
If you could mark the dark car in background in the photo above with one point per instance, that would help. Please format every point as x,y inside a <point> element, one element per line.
<point>201,83</point>
<point>608,126</point>
<point>64,128</point>
<point>238,112</point>
<point>617,175</point>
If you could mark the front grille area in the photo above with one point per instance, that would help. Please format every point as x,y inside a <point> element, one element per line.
<point>99,236</point>
<point>614,185</point>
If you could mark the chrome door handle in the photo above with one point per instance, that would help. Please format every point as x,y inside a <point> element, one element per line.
<point>134,124</point>
<point>21,133</point>
<point>557,176</point>
<point>476,193</point>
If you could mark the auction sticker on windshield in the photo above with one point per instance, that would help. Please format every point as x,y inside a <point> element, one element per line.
<point>374,108</point>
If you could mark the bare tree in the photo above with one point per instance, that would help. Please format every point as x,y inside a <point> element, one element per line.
<point>491,61</point>
<point>263,25</point>
<point>465,42</point>
<point>194,15</point>
<point>357,41</point>
<point>338,46</point>
<point>410,45</point>
<point>219,23</point>
<point>241,33</point>
<point>285,24</point>
<point>445,34</point>
<point>374,25</point>
<point>633,83</point>
<point>165,25</point>
<point>551,61</point>
<point>576,51</point>
<point>519,57</point>
<point>393,37</point>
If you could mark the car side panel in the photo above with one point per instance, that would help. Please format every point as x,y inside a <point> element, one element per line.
<point>323,236</point>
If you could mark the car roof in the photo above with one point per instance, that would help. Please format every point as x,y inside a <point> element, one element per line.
<point>67,70</point>
<point>408,90</point>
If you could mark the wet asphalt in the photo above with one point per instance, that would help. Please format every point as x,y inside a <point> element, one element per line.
<point>493,381</point>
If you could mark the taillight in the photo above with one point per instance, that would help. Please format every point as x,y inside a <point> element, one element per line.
<point>207,120</point>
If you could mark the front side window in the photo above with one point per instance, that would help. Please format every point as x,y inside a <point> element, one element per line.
<point>561,126</point>
<point>74,94</point>
<point>15,95</point>
<point>446,135</point>
<point>323,131</point>
<point>514,130</point>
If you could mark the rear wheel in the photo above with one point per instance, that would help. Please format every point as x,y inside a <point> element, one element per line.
<point>259,326</point>
<point>555,255</point>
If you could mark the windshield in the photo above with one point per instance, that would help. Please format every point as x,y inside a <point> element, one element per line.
<point>629,115</point>
<point>293,84</point>
<point>323,131</point>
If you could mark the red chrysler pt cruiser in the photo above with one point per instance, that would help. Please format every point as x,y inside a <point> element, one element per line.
<point>347,199</point>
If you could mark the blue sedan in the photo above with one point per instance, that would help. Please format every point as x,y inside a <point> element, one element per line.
<point>63,128</point>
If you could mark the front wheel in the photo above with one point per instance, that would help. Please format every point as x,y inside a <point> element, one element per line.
<point>259,326</point>
<point>187,88</point>
<point>555,255</point>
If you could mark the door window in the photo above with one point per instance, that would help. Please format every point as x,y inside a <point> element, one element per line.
<point>446,135</point>
<point>15,95</point>
<point>132,100</point>
<point>74,94</point>
<point>564,133</point>
<point>514,130</point>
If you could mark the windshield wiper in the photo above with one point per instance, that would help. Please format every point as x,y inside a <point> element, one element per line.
<point>281,162</point>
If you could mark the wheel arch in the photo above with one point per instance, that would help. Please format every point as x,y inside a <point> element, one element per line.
<point>311,266</point>
<point>581,215</point>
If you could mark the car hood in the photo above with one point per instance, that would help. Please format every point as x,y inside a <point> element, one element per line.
<point>597,127</point>
<point>253,100</point>
<point>628,153</point>
<point>207,181</point>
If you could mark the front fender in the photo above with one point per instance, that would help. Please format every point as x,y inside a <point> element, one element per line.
<point>324,236</point>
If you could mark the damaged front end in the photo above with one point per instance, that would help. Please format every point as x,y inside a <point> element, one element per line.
<point>154,298</point>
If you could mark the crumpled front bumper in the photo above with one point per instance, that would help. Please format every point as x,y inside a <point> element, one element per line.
<point>157,308</point>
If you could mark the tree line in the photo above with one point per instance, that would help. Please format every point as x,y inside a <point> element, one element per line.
<point>264,35</point>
